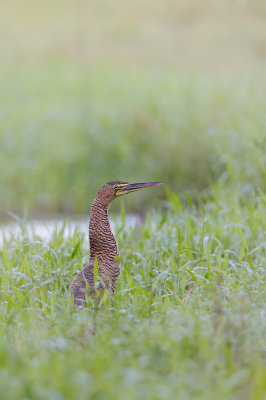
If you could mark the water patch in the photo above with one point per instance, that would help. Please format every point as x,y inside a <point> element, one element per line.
<point>45,228</point>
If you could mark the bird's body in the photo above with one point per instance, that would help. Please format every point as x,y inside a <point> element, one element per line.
<point>104,253</point>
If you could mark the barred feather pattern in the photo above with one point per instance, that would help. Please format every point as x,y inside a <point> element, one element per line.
<point>103,245</point>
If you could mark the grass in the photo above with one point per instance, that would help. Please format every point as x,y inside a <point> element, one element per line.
<point>66,130</point>
<point>137,91</point>
<point>94,91</point>
<point>188,320</point>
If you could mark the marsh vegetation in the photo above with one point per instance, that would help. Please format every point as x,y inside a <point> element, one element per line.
<point>111,90</point>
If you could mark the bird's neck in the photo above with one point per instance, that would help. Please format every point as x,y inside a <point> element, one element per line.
<point>102,240</point>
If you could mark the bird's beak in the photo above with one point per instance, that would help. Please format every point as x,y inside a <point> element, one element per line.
<point>132,187</point>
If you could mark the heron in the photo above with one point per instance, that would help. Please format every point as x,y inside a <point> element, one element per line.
<point>104,253</point>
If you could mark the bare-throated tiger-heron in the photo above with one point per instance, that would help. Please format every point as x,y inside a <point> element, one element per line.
<point>103,246</point>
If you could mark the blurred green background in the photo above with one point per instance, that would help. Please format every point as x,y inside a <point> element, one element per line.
<point>145,90</point>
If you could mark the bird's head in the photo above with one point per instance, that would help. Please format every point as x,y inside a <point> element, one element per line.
<point>113,189</point>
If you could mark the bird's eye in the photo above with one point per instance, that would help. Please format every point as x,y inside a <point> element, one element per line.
<point>119,186</point>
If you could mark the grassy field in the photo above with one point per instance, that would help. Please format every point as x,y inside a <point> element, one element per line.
<point>172,91</point>
<point>147,91</point>
<point>67,130</point>
<point>188,319</point>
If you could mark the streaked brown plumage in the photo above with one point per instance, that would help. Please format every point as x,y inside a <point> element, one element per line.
<point>103,245</point>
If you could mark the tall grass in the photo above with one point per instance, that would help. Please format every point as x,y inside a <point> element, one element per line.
<point>94,91</point>
<point>66,130</point>
<point>188,318</point>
